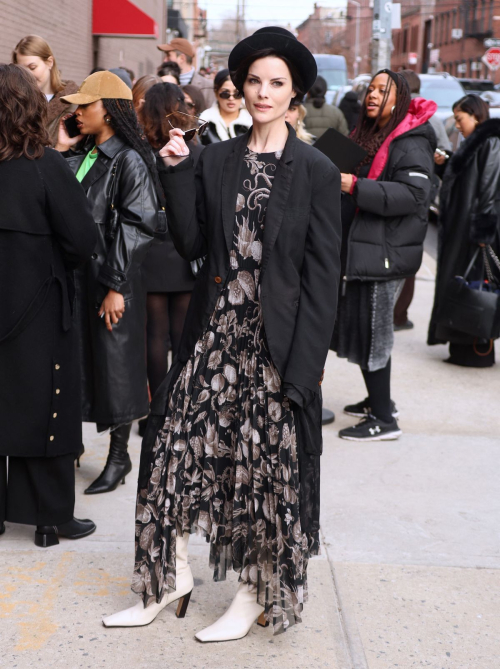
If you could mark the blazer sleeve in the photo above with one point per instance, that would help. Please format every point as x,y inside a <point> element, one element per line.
<point>185,206</point>
<point>408,189</point>
<point>138,210</point>
<point>484,221</point>
<point>319,284</point>
<point>68,210</point>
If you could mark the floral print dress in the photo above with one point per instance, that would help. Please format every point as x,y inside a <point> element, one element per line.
<point>225,462</point>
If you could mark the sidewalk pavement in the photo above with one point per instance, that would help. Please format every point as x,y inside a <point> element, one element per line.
<point>409,575</point>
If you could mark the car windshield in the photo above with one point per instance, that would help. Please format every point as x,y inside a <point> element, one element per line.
<point>478,85</point>
<point>444,92</point>
<point>334,78</point>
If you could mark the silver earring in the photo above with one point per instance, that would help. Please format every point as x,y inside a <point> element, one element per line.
<point>393,109</point>
<point>107,120</point>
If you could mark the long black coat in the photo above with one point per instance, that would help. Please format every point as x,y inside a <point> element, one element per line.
<point>387,234</point>
<point>299,275</point>
<point>46,230</point>
<point>114,380</point>
<point>469,215</point>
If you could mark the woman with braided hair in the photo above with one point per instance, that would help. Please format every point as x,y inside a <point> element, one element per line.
<point>384,217</point>
<point>117,169</point>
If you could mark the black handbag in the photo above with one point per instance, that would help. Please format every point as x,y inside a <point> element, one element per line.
<point>473,307</point>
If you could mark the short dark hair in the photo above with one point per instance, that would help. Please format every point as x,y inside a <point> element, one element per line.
<point>473,105</point>
<point>220,79</point>
<point>240,74</point>
<point>169,67</point>
<point>317,92</point>
<point>160,100</point>
<point>23,114</point>
<point>413,80</point>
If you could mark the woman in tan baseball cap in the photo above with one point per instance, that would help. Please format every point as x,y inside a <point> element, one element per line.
<point>117,170</point>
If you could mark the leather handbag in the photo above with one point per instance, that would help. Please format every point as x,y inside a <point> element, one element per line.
<point>473,307</point>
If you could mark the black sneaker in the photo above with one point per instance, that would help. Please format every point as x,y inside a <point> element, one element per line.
<point>362,409</point>
<point>372,429</point>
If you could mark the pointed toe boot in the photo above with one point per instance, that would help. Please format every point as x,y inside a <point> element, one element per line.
<point>118,464</point>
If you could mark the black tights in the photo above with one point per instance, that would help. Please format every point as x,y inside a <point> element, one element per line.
<point>378,385</point>
<point>166,315</point>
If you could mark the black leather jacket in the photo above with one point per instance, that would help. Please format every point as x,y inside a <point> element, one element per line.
<point>114,363</point>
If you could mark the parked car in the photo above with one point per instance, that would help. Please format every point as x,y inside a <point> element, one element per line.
<point>333,69</point>
<point>477,86</point>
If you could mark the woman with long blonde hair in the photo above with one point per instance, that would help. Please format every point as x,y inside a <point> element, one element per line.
<point>35,55</point>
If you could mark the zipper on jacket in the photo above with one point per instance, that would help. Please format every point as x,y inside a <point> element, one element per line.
<point>344,285</point>
<point>386,263</point>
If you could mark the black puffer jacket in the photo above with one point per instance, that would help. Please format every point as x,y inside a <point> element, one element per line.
<point>114,363</point>
<point>387,233</point>
<point>470,214</point>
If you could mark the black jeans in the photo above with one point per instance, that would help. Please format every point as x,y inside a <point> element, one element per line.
<point>37,491</point>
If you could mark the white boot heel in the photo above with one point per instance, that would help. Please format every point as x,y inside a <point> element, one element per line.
<point>238,619</point>
<point>137,616</point>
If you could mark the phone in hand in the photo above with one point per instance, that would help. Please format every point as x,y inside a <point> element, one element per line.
<point>72,129</point>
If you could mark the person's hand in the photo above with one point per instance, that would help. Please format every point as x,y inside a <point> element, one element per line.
<point>64,141</point>
<point>482,245</point>
<point>112,308</point>
<point>346,182</point>
<point>176,150</point>
<point>439,159</point>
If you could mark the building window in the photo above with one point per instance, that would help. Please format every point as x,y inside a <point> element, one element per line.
<point>405,40</point>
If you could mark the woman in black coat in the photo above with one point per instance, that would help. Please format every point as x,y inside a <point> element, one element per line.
<point>233,440</point>
<point>384,220</point>
<point>46,231</point>
<point>117,172</point>
<point>469,218</point>
<point>168,278</point>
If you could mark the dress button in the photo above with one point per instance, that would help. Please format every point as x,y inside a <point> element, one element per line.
<point>57,391</point>
<point>218,279</point>
<point>57,366</point>
<point>54,415</point>
<point>51,437</point>
<point>94,256</point>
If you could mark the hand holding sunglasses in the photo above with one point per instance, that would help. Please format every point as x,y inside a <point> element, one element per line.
<point>189,134</point>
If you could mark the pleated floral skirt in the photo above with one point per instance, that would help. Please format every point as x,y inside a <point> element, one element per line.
<point>225,464</point>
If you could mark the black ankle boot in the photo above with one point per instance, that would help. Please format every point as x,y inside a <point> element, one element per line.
<point>118,464</point>
<point>79,455</point>
<point>2,528</point>
<point>48,535</point>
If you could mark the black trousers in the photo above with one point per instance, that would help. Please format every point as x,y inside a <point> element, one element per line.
<point>37,491</point>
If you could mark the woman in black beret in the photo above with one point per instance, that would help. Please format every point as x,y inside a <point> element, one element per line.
<point>232,445</point>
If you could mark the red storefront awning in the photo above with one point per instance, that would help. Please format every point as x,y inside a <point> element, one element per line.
<point>122,17</point>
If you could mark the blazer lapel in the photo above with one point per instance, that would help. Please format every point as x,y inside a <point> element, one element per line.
<point>230,184</point>
<point>278,199</point>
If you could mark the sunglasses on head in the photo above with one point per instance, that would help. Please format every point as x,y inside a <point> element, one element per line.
<point>226,95</point>
<point>189,134</point>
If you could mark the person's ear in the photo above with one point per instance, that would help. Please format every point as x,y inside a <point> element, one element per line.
<point>50,62</point>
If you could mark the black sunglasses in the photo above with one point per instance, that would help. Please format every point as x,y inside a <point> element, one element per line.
<point>226,95</point>
<point>189,134</point>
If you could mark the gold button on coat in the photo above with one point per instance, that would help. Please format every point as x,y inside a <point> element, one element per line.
<point>51,437</point>
<point>58,366</point>
<point>54,415</point>
<point>57,391</point>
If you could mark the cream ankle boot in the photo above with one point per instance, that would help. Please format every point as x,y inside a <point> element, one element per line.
<point>238,619</point>
<point>138,615</point>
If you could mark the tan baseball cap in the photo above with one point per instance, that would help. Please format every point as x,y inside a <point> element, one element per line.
<point>98,86</point>
<point>178,44</point>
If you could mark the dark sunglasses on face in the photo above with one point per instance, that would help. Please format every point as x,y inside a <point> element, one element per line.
<point>189,134</point>
<point>226,95</point>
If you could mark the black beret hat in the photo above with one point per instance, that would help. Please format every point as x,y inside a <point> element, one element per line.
<point>285,44</point>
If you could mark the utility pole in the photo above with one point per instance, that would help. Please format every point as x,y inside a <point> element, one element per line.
<point>357,57</point>
<point>381,35</point>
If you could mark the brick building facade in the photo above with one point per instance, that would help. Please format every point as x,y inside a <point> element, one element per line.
<point>67,27</point>
<point>447,37</point>
<point>320,31</point>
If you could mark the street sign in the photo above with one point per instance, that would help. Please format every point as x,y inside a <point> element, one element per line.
<point>412,58</point>
<point>491,41</point>
<point>492,58</point>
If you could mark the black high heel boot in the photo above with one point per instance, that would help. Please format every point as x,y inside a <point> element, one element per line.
<point>118,464</point>
<point>79,455</point>
<point>48,535</point>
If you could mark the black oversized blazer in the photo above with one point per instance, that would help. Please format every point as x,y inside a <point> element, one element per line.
<point>299,277</point>
<point>301,248</point>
